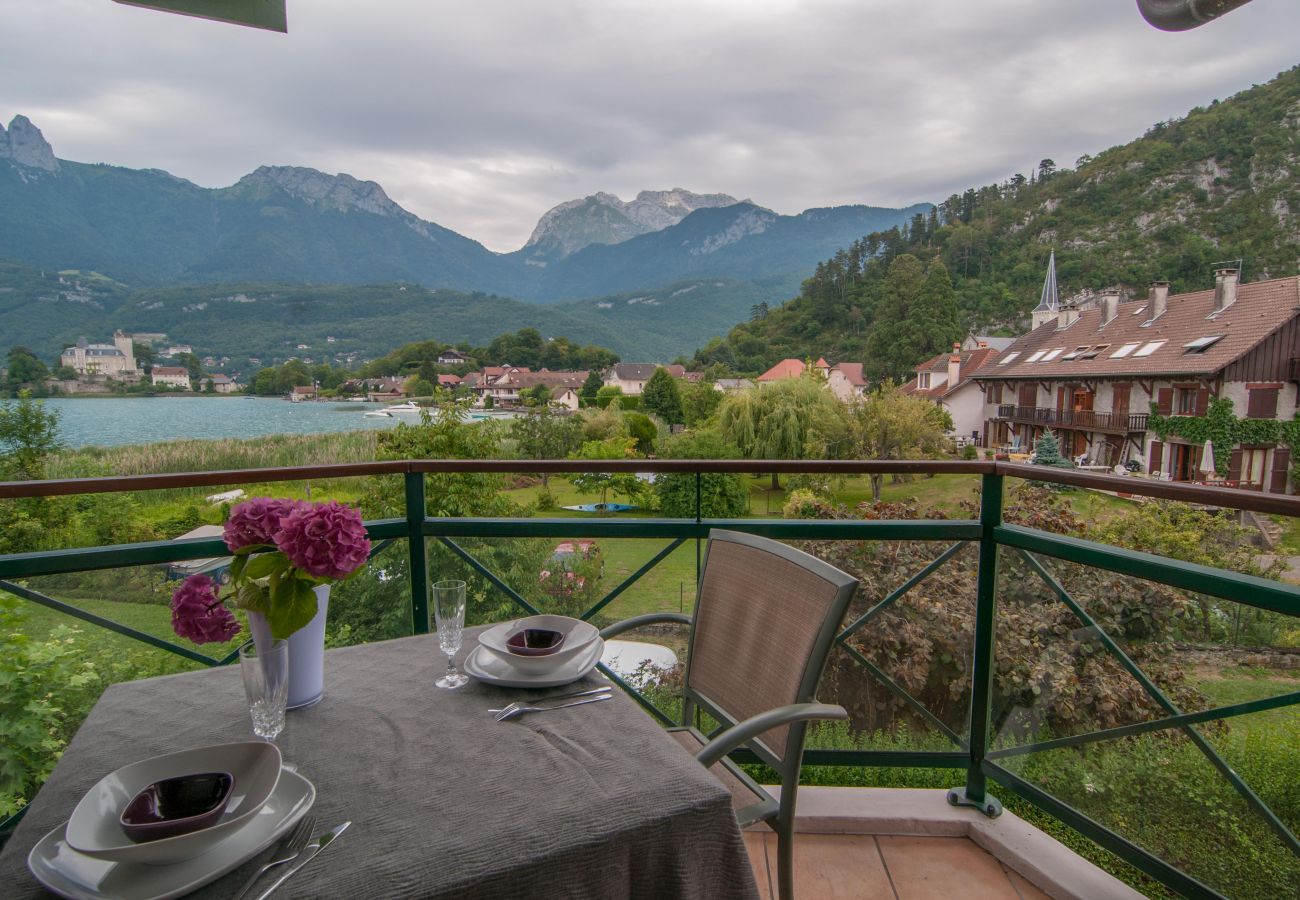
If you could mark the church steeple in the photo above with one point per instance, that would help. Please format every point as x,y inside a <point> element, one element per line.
<point>1049,302</point>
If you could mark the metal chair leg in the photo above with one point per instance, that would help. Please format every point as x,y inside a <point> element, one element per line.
<point>785,863</point>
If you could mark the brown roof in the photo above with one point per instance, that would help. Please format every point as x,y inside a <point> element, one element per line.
<point>853,372</point>
<point>170,370</point>
<point>523,379</point>
<point>1260,309</point>
<point>972,362</point>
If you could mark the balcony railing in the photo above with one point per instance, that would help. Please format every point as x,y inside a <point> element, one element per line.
<point>977,748</point>
<point>1086,419</point>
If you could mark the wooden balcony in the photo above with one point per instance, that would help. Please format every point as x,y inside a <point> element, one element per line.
<point>1082,420</point>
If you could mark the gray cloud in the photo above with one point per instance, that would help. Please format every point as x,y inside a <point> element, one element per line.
<point>482,118</point>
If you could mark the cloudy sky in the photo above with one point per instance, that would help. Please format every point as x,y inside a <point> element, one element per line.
<point>482,115</point>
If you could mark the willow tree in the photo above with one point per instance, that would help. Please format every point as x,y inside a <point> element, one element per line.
<point>795,418</point>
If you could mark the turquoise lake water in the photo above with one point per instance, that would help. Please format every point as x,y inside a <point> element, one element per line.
<point>111,422</point>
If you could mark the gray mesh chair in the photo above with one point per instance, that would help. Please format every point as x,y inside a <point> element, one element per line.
<point>764,621</point>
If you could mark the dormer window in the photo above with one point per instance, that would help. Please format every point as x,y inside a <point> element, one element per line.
<point>923,380</point>
<point>1201,344</point>
<point>1074,354</point>
<point>1093,352</point>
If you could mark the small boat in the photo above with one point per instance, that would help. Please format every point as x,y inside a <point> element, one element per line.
<point>410,407</point>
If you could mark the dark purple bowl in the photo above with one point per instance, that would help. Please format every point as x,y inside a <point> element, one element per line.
<point>535,642</point>
<point>177,806</point>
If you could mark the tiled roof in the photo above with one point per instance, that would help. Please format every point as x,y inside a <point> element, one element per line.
<point>786,368</point>
<point>853,372</point>
<point>548,378</point>
<point>449,379</point>
<point>1260,308</point>
<point>644,371</point>
<point>170,371</point>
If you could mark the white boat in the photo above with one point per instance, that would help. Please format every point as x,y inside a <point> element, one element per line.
<point>410,407</point>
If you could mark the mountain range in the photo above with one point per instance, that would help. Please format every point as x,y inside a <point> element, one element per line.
<point>282,225</point>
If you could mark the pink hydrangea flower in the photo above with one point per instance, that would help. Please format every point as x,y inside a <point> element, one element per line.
<point>256,521</point>
<point>325,540</point>
<point>199,615</point>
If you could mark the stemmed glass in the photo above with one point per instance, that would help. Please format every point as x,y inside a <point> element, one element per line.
<point>449,609</point>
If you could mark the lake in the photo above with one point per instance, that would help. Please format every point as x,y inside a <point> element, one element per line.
<point>113,421</point>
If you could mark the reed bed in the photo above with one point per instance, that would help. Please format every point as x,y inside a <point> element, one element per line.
<point>271,451</point>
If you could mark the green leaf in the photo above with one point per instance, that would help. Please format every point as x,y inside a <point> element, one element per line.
<point>262,566</point>
<point>253,597</point>
<point>237,565</point>
<point>293,605</point>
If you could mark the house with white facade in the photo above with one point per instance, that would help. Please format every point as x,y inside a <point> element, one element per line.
<point>949,380</point>
<point>631,377</point>
<point>171,376</point>
<point>1094,377</point>
<point>844,380</point>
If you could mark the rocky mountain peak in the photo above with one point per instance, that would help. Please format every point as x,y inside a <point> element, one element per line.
<point>603,218</point>
<point>342,192</point>
<point>24,144</point>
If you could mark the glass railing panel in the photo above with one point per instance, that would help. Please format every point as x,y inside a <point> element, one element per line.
<point>375,603</point>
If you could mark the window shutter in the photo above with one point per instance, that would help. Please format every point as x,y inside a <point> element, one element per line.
<point>1261,403</point>
<point>1157,451</point>
<point>1165,401</point>
<point>1234,465</point>
<point>1202,401</point>
<point>1281,469</point>
<point>1120,397</point>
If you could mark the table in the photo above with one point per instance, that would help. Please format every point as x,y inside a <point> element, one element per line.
<point>591,802</point>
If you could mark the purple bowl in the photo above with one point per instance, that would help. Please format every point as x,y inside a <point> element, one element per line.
<point>535,642</point>
<point>177,806</point>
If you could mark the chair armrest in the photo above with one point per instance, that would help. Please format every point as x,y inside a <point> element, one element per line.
<point>637,621</point>
<point>743,732</point>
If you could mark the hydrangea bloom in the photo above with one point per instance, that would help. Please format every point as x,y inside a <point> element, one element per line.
<point>197,614</point>
<point>325,540</point>
<point>256,521</point>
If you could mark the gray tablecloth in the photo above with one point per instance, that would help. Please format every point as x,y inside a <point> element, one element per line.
<point>591,802</point>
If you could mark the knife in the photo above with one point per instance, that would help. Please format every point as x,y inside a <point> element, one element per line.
<point>317,844</point>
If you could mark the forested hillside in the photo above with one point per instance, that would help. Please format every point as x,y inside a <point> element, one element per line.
<point>1223,183</point>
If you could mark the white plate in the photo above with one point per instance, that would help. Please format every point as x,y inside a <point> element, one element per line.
<point>485,665</point>
<point>578,636</point>
<point>94,827</point>
<point>79,877</point>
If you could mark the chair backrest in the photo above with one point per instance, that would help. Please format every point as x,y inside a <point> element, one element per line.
<point>765,618</point>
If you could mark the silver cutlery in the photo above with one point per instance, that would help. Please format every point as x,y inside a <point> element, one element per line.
<point>520,710</point>
<point>587,693</point>
<point>288,850</point>
<point>312,850</point>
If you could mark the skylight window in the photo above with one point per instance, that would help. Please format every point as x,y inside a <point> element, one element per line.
<point>1093,352</point>
<point>1149,347</point>
<point>1201,344</point>
<point>1006,359</point>
<point>1036,356</point>
<point>1140,310</point>
<point>1053,354</point>
<point>1124,351</point>
<point>1073,354</point>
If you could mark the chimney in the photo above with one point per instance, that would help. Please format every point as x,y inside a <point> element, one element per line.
<point>1065,317</point>
<point>1225,288</point>
<point>954,365</point>
<point>1158,301</point>
<point>1109,305</point>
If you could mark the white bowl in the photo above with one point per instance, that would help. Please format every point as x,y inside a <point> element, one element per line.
<point>96,831</point>
<point>578,636</point>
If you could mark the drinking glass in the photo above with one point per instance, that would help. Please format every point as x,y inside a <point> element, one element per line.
<point>266,684</point>
<point>449,610</point>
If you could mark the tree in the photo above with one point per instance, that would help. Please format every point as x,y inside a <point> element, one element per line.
<point>590,387</point>
<point>542,433</point>
<point>661,397</point>
<point>1048,453</point>
<point>607,394</point>
<point>699,402</point>
<point>796,418</point>
<point>25,368</point>
<point>625,483</point>
<point>915,319</point>
<point>642,428</point>
<point>539,395</point>
<point>888,424</point>
<point>144,356</point>
<point>195,367</point>
<point>29,434</point>
<point>721,494</point>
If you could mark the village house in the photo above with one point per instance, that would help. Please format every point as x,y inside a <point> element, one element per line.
<point>949,380</point>
<point>115,361</point>
<point>1093,376</point>
<point>844,380</point>
<point>302,392</point>
<point>171,376</point>
<point>450,382</point>
<point>450,357</point>
<point>631,377</point>
<point>221,384</point>
<point>504,388</point>
<point>732,385</point>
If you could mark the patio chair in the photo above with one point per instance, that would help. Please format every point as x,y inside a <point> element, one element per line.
<point>765,618</point>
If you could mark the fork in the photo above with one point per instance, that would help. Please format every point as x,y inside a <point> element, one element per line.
<point>289,849</point>
<point>588,693</point>
<point>520,710</point>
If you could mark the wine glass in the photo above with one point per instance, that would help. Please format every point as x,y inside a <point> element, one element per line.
<point>266,684</point>
<point>449,609</point>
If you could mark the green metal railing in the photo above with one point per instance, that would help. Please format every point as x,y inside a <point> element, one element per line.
<point>976,753</point>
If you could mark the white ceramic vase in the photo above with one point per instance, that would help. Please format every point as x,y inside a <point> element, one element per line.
<point>306,651</point>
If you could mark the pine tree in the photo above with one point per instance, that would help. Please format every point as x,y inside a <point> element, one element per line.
<point>589,388</point>
<point>661,397</point>
<point>1048,453</point>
